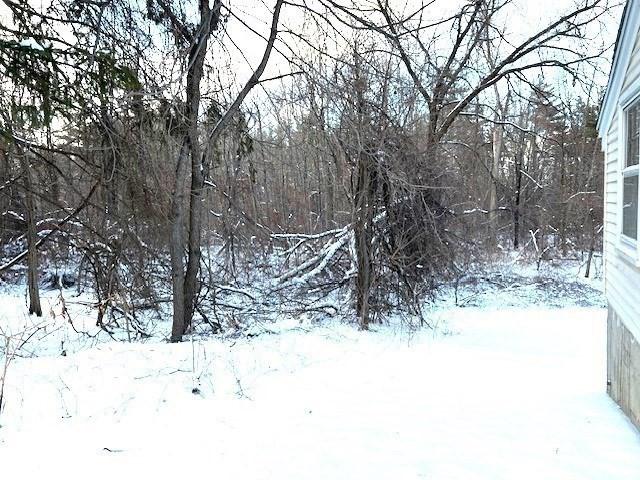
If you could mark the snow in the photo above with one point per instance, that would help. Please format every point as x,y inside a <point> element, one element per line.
<point>31,43</point>
<point>495,392</point>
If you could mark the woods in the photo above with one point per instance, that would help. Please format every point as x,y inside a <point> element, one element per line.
<point>210,161</point>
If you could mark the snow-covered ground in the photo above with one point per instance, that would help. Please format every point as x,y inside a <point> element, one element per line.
<point>495,392</point>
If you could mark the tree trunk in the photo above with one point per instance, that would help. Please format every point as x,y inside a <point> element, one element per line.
<point>32,239</point>
<point>176,245</point>
<point>563,205</point>
<point>498,144</point>
<point>362,231</point>
<point>331,200</point>
<point>492,207</point>
<point>185,283</point>
<point>191,287</point>
<point>5,195</point>
<point>592,244</point>
<point>516,203</point>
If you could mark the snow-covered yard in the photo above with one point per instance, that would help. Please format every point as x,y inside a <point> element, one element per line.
<point>510,393</point>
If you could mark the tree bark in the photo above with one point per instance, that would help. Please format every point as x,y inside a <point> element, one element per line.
<point>517,200</point>
<point>498,134</point>
<point>5,175</point>
<point>363,205</point>
<point>197,169</point>
<point>362,230</point>
<point>32,239</point>
<point>176,245</point>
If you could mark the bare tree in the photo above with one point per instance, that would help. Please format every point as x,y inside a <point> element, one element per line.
<point>185,281</point>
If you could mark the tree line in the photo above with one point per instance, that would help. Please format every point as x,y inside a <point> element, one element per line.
<point>393,147</point>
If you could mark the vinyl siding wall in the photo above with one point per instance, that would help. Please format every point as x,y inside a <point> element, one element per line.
<point>622,275</point>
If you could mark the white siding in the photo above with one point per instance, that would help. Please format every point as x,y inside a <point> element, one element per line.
<point>622,277</point>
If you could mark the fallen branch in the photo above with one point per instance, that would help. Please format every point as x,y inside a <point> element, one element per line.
<point>18,258</point>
